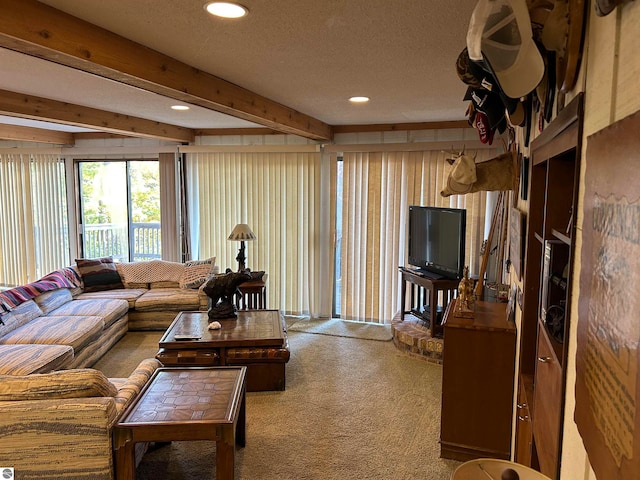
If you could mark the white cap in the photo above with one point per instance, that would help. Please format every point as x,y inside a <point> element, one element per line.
<point>500,35</point>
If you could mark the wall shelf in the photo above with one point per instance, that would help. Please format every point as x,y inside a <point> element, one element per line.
<point>554,174</point>
<point>561,236</point>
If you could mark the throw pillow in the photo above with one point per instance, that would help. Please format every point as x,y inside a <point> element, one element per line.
<point>75,383</point>
<point>150,271</point>
<point>196,272</point>
<point>99,274</point>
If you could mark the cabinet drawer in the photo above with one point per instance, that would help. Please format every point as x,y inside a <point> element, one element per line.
<point>195,358</point>
<point>547,406</point>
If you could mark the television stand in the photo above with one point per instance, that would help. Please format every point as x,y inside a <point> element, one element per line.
<point>426,297</point>
<point>431,275</point>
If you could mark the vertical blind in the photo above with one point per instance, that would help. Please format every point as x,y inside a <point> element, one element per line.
<point>377,191</point>
<point>278,195</point>
<point>33,222</point>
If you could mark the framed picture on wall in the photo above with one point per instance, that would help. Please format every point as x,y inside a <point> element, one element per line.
<point>607,410</point>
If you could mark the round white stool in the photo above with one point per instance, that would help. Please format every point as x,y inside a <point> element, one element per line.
<point>491,469</point>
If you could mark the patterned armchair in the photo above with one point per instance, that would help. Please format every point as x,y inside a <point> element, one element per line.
<point>59,424</point>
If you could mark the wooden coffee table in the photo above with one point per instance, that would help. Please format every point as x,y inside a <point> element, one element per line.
<point>256,339</point>
<point>182,404</point>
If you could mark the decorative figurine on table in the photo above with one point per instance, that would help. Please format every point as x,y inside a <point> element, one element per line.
<point>221,290</point>
<point>465,302</point>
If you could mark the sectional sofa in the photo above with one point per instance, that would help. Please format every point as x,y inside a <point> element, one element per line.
<point>56,413</point>
<point>72,317</point>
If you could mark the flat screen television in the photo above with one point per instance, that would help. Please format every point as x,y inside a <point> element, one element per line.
<point>437,240</point>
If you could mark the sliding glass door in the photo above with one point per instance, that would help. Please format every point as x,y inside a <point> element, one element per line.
<point>120,209</point>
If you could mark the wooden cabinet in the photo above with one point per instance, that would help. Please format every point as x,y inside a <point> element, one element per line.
<point>548,398</point>
<point>554,177</point>
<point>477,383</point>
<point>524,437</point>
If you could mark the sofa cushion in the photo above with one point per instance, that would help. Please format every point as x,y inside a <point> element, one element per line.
<point>109,309</point>
<point>27,359</point>
<point>99,274</point>
<point>151,271</point>
<point>20,315</point>
<point>172,299</point>
<point>196,272</point>
<point>51,300</point>
<point>73,331</point>
<point>128,294</point>
<point>78,383</point>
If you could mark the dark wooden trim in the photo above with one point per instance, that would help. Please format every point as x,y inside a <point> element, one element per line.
<point>237,131</point>
<point>566,124</point>
<point>390,127</point>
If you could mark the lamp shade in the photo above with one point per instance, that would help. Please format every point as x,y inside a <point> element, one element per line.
<point>241,232</point>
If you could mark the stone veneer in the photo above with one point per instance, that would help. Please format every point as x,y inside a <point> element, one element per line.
<point>412,337</point>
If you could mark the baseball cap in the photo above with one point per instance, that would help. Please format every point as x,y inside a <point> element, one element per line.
<point>475,75</point>
<point>481,124</point>
<point>488,103</point>
<point>500,35</point>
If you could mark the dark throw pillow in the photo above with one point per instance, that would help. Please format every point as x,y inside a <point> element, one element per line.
<point>99,274</point>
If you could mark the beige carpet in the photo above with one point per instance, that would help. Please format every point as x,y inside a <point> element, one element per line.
<point>344,328</point>
<point>353,409</point>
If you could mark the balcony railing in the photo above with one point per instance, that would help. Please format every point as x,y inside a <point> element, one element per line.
<point>112,239</point>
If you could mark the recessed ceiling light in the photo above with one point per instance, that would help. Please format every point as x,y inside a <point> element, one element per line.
<point>359,99</point>
<point>179,107</point>
<point>226,9</point>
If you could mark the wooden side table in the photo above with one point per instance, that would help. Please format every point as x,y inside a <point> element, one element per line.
<point>424,293</point>
<point>252,295</point>
<point>185,404</point>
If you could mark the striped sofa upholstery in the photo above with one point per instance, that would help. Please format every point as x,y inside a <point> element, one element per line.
<point>43,436</point>
<point>26,359</point>
<point>53,323</point>
<point>49,337</point>
<point>68,328</point>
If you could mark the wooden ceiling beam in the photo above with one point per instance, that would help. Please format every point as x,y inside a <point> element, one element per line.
<point>36,29</point>
<point>31,134</point>
<point>38,108</point>
<point>395,127</point>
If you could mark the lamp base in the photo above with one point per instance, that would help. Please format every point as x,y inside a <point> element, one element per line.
<point>241,257</point>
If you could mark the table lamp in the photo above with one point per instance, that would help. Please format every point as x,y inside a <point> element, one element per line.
<point>241,233</point>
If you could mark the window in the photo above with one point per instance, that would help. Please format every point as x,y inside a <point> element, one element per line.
<point>120,209</point>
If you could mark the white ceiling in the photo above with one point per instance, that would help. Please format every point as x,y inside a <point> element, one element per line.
<point>310,55</point>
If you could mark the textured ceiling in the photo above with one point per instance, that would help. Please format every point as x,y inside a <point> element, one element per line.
<point>310,55</point>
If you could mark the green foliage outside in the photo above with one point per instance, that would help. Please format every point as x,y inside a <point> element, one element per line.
<point>101,202</point>
<point>105,205</point>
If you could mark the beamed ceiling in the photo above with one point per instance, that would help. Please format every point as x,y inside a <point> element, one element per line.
<point>89,67</point>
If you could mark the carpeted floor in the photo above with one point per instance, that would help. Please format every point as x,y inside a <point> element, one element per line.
<point>353,409</point>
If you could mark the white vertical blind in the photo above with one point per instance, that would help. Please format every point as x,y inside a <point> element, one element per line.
<point>33,222</point>
<point>378,189</point>
<point>169,202</point>
<point>278,195</point>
